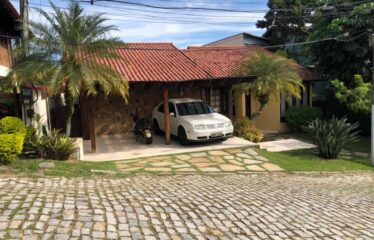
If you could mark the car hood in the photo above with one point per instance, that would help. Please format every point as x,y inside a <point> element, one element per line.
<point>210,118</point>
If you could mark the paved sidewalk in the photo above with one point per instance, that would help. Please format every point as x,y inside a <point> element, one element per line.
<point>215,161</point>
<point>257,206</point>
<point>285,145</point>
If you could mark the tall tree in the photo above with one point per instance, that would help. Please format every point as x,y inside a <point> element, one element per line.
<point>275,75</point>
<point>62,50</point>
<point>289,21</point>
<point>350,53</point>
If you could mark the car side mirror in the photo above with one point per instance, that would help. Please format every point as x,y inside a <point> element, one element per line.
<point>172,114</point>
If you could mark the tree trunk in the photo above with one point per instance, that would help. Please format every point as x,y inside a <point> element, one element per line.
<point>70,111</point>
<point>258,112</point>
<point>264,100</point>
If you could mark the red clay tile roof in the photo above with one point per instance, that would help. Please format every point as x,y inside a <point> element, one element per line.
<point>155,62</point>
<point>163,62</point>
<point>9,18</point>
<point>10,9</point>
<point>221,62</point>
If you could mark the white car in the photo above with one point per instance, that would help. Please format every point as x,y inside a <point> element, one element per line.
<point>192,120</point>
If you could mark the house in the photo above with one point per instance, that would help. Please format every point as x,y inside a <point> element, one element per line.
<point>159,71</point>
<point>225,61</point>
<point>241,39</point>
<point>9,35</point>
<point>246,39</point>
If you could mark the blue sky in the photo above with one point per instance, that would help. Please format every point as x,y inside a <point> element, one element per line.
<point>182,27</point>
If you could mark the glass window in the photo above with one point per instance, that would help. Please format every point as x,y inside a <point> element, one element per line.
<point>172,108</point>
<point>193,108</point>
<point>215,100</point>
<point>161,108</point>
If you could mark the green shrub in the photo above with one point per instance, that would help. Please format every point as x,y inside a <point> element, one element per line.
<point>331,136</point>
<point>29,143</point>
<point>244,129</point>
<point>55,146</point>
<point>12,125</point>
<point>12,136</point>
<point>300,116</point>
<point>10,146</point>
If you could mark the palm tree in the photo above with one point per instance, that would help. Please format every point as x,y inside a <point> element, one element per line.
<point>275,75</point>
<point>61,55</point>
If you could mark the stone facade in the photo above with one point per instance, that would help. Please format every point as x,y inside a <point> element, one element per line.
<point>113,114</point>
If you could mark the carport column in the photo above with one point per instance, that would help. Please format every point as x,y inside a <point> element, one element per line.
<point>91,123</point>
<point>166,114</point>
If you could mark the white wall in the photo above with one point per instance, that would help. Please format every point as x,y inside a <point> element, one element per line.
<point>40,106</point>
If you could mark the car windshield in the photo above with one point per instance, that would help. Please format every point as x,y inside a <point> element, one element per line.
<point>193,108</point>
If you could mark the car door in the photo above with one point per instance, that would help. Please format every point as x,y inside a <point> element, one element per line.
<point>159,115</point>
<point>173,119</point>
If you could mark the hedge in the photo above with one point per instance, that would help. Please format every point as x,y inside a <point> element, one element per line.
<point>12,137</point>
<point>244,129</point>
<point>10,146</point>
<point>12,125</point>
<point>299,117</point>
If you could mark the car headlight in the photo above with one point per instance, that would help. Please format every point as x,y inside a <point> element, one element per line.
<point>228,124</point>
<point>199,127</point>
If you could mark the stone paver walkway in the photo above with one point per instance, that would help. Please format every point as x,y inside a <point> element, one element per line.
<point>285,145</point>
<point>215,161</point>
<point>257,206</point>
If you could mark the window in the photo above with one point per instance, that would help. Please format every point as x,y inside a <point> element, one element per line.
<point>193,108</point>
<point>172,109</point>
<point>285,104</point>
<point>215,100</point>
<point>161,108</point>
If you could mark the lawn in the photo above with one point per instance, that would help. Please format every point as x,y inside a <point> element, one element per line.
<point>308,159</point>
<point>61,168</point>
<point>291,161</point>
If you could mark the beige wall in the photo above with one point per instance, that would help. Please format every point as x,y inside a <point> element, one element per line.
<point>270,118</point>
<point>239,106</point>
<point>236,40</point>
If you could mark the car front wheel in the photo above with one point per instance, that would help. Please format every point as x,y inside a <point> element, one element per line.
<point>183,140</point>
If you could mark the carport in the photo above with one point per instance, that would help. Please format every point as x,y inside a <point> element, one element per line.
<point>124,147</point>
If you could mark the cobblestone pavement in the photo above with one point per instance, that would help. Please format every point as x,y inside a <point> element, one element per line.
<point>215,161</point>
<point>254,206</point>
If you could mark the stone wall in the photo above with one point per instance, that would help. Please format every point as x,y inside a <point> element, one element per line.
<point>113,114</point>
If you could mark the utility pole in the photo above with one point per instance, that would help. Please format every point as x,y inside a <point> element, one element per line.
<point>371,43</point>
<point>24,10</point>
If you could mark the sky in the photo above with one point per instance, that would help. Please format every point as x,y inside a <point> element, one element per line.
<point>179,26</point>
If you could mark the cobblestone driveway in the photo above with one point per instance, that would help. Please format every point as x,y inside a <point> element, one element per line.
<point>263,206</point>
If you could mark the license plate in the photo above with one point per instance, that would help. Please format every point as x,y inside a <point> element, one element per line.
<point>216,134</point>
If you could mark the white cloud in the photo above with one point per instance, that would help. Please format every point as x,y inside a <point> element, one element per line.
<point>180,27</point>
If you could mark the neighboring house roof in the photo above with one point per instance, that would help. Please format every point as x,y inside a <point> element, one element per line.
<point>155,62</point>
<point>9,18</point>
<point>243,36</point>
<point>163,62</point>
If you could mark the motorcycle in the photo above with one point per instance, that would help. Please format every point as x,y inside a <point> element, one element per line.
<point>142,129</point>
